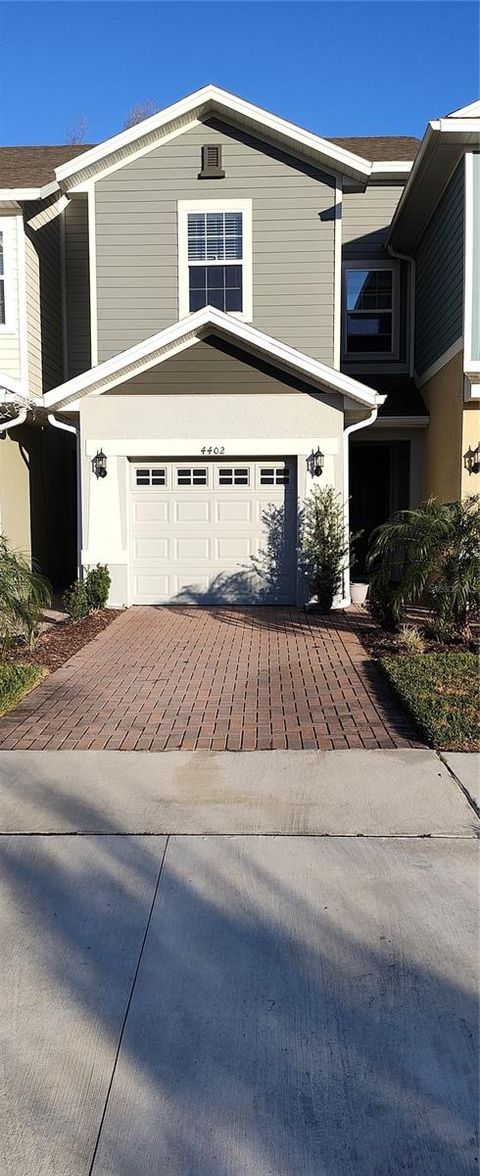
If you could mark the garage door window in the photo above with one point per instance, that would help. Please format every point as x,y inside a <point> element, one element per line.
<point>233,476</point>
<point>274,476</point>
<point>192,476</point>
<point>154,476</point>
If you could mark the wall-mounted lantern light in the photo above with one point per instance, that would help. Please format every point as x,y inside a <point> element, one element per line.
<point>315,463</point>
<point>99,464</point>
<point>471,460</point>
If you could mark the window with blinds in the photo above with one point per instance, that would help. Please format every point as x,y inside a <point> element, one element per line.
<point>215,260</point>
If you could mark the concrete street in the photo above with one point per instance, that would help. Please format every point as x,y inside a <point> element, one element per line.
<point>220,964</point>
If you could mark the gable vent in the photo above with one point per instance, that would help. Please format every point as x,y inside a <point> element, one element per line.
<point>211,162</point>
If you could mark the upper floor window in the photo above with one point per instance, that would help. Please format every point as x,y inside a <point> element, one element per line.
<point>370,326</point>
<point>214,255</point>
<point>7,276</point>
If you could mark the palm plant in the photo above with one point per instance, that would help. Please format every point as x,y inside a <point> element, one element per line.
<point>432,553</point>
<point>23,596</point>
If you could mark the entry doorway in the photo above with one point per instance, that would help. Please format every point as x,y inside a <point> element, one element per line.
<point>379,486</point>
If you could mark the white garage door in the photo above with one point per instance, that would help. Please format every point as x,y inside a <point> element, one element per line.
<point>199,527</point>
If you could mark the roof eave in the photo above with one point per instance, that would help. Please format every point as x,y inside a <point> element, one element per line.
<point>461,133</point>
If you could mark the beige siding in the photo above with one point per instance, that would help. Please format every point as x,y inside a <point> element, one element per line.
<point>77,286</point>
<point>366,218</point>
<point>10,358</point>
<point>293,240</point>
<point>44,304</point>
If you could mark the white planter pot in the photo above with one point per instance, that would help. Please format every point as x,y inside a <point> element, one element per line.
<point>358,591</point>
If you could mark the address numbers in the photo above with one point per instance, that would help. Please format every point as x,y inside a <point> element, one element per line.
<point>215,450</point>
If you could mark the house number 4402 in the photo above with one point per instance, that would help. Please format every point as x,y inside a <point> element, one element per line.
<point>215,449</point>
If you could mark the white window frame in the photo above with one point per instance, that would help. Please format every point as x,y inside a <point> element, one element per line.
<point>8,228</point>
<point>372,264</point>
<point>184,207</point>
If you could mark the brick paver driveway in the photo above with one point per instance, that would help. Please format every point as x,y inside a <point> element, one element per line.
<point>230,678</point>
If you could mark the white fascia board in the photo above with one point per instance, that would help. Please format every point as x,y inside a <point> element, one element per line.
<point>470,111</point>
<point>19,194</point>
<point>212,97</point>
<point>189,331</point>
<point>391,168</point>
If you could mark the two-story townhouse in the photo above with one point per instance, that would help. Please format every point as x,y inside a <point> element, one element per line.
<point>437,225</point>
<point>232,322</point>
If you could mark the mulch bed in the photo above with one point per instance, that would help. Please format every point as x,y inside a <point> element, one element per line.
<point>380,643</point>
<point>61,640</point>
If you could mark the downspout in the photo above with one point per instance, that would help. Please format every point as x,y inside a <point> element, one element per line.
<point>346,491</point>
<point>53,420</point>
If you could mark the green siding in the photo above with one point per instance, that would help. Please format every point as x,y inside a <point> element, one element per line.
<point>439,277</point>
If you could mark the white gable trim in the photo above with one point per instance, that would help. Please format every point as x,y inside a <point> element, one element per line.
<point>185,334</point>
<point>116,151</point>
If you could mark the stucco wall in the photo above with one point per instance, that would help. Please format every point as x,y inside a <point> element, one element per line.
<point>276,420</point>
<point>14,495</point>
<point>470,440</point>
<point>443,395</point>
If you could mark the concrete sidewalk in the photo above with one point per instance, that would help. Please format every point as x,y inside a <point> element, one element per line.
<point>379,793</point>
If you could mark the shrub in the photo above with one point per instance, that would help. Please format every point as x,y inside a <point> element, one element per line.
<point>410,639</point>
<point>23,596</point>
<point>324,545</point>
<point>430,553</point>
<point>97,584</point>
<point>75,600</point>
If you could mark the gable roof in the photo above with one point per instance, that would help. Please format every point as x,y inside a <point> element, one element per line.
<point>443,145</point>
<point>189,331</point>
<point>332,155</point>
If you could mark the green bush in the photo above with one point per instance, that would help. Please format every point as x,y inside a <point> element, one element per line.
<point>75,600</point>
<point>429,554</point>
<point>15,680</point>
<point>440,690</point>
<point>324,545</point>
<point>24,594</point>
<point>97,584</point>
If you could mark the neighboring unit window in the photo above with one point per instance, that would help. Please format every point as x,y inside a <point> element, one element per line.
<point>3,318</point>
<point>151,477</point>
<point>234,476</point>
<point>216,238</point>
<point>369,311</point>
<point>187,476</point>
<point>278,476</point>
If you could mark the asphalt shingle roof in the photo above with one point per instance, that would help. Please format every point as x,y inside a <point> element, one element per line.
<point>33,167</point>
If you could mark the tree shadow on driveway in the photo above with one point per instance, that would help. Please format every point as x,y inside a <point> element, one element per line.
<point>301,1005</point>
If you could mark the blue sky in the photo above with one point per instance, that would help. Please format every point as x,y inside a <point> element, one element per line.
<point>337,68</point>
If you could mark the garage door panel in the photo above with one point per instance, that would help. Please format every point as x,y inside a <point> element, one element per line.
<point>195,543</point>
<point>192,511</point>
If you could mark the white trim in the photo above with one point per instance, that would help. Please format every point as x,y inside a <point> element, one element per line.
<point>8,229</point>
<point>202,102</point>
<point>92,274</point>
<point>337,287</point>
<point>184,207</point>
<point>101,173</point>
<point>361,357</point>
<point>388,169</point>
<point>468,261</point>
<point>186,333</point>
<point>440,363</point>
<point>5,426</point>
<point>22,299</point>
<point>470,111</point>
<point>63,279</point>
